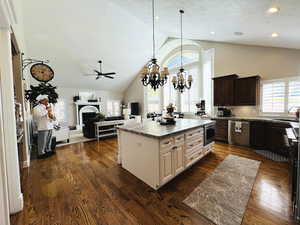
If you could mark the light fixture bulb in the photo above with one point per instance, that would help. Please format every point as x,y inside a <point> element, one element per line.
<point>212,32</point>
<point>273,9</point>
<point>275,34</point>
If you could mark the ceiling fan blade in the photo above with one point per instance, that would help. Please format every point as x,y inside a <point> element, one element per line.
<point>96,71</point>
<point>113,73</point>
<point>87,75</point>
<point>98,77</point>
<point>108,76</point>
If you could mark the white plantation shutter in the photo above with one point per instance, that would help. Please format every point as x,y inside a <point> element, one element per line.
<point>294,95</point>
<point>273,99</point>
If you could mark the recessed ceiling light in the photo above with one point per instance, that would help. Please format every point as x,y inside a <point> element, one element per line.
<point>274,9</point>
<point>157,17</point>
<point>275,34</point>
<point>212,32</point>
<point>237,33</point>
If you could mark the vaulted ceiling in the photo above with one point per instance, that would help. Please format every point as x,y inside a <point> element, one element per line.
<point>224,18</point>
<point>75,34</point>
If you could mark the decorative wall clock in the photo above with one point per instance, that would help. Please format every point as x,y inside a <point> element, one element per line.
<point>42,72</point>
<point>39,69</point>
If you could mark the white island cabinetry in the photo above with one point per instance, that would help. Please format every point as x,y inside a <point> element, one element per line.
<point>156,160</point>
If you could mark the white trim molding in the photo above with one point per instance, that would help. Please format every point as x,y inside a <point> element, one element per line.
<point>9,138</point>
<point>9,123</point>
<point>4,204</point>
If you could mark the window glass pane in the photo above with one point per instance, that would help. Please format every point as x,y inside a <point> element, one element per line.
<point>153,100</point>
<point>117,108</point>
<point>109,109</point>
<point>188,57</point>
<point>59,110</point>
<point>294,95</point>
<point>273,97</point>
<point>170,94</point>
<point>190,97</point>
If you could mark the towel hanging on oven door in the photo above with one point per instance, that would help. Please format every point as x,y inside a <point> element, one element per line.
<point>238,127</point>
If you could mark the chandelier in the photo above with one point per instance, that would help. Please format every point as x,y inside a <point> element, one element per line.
<point>179,81</point>
<point>151,74</point>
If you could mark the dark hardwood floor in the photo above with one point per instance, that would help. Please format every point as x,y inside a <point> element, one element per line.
<point>83,185</point>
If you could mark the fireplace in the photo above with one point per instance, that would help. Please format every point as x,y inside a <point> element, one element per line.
<point>86,110</point>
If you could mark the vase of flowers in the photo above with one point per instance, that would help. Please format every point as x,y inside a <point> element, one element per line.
<point>170,109</point>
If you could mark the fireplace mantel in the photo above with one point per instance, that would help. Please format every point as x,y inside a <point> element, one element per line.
<point>87,103</point>
<point>96,106</point>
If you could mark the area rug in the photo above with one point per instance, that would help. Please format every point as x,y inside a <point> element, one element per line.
<point>223,196</point>
<point>272,156</point>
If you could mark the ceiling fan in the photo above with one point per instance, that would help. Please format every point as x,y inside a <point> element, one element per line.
<point>99,73</point>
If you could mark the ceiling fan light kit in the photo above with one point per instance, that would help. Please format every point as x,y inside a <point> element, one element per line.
<point>182,81</point>
<point>151,74</point>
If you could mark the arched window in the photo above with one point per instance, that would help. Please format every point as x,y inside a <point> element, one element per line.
<point>185,102</point>
<point>197,62</point>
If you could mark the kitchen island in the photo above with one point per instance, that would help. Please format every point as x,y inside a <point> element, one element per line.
<point>156,153</point>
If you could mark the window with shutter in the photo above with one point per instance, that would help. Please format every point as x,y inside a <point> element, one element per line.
<point>293,95</point>
<point>273,97</point>
<point>281,96</point>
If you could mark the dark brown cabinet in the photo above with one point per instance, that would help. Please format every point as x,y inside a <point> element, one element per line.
<point>221,130</point>
<point>268,136</point>
<point>247,91</point>
<point>224,90</point>
<point>257,135</point>
<point>275,138</point>
<point>233,91</point>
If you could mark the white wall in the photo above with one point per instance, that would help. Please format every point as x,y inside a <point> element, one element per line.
<point>245,60</point>
<point>67,94</point>
<point>135,93</point>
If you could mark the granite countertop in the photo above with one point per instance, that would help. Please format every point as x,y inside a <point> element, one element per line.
<point>154,129</point>
<point>257,118</point>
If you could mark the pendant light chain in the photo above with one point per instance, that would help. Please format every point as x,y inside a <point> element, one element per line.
<point>181,48</point>
<point>153,27</point>
<point>182,80</point>
<point>152,74</point>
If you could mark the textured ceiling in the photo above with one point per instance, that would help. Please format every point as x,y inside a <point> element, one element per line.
<point>225,17</point>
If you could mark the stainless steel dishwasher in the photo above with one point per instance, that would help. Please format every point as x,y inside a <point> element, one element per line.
<point>239,133</point>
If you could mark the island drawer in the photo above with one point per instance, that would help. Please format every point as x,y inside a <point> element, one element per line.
<point>194,143</point>
<point>191,159</point>
<point>179,139</point>
<point>167,143</point>
<point>194,133</point>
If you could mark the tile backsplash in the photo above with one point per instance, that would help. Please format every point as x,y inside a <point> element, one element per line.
<point>245,110</point>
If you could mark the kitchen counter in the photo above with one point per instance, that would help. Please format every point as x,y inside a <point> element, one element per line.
<point>155,130</point>
<point>257,118</point>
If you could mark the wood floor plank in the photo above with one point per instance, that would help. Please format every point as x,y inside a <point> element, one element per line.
<point>83,185</point>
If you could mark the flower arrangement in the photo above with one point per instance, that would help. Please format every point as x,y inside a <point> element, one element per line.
<point>170,109</point>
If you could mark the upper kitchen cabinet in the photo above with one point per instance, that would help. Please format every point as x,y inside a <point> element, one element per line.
<point>247,91</point>
<point>224,90</point>
<point>234,91</point>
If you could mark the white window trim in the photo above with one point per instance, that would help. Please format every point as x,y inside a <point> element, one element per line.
<point>286,81</point>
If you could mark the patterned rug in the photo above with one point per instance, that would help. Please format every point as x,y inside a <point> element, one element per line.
<point>224,195</point>
<point>271,155</point>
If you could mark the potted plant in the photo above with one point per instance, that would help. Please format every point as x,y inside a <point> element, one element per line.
<point>100,117</point>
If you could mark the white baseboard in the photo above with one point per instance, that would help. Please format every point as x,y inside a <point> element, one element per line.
<point>18,205</point>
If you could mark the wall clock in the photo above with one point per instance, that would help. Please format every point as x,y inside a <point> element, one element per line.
<point>42,72</point>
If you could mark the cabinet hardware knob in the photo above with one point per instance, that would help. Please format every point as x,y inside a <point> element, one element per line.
<point>175,147</point>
